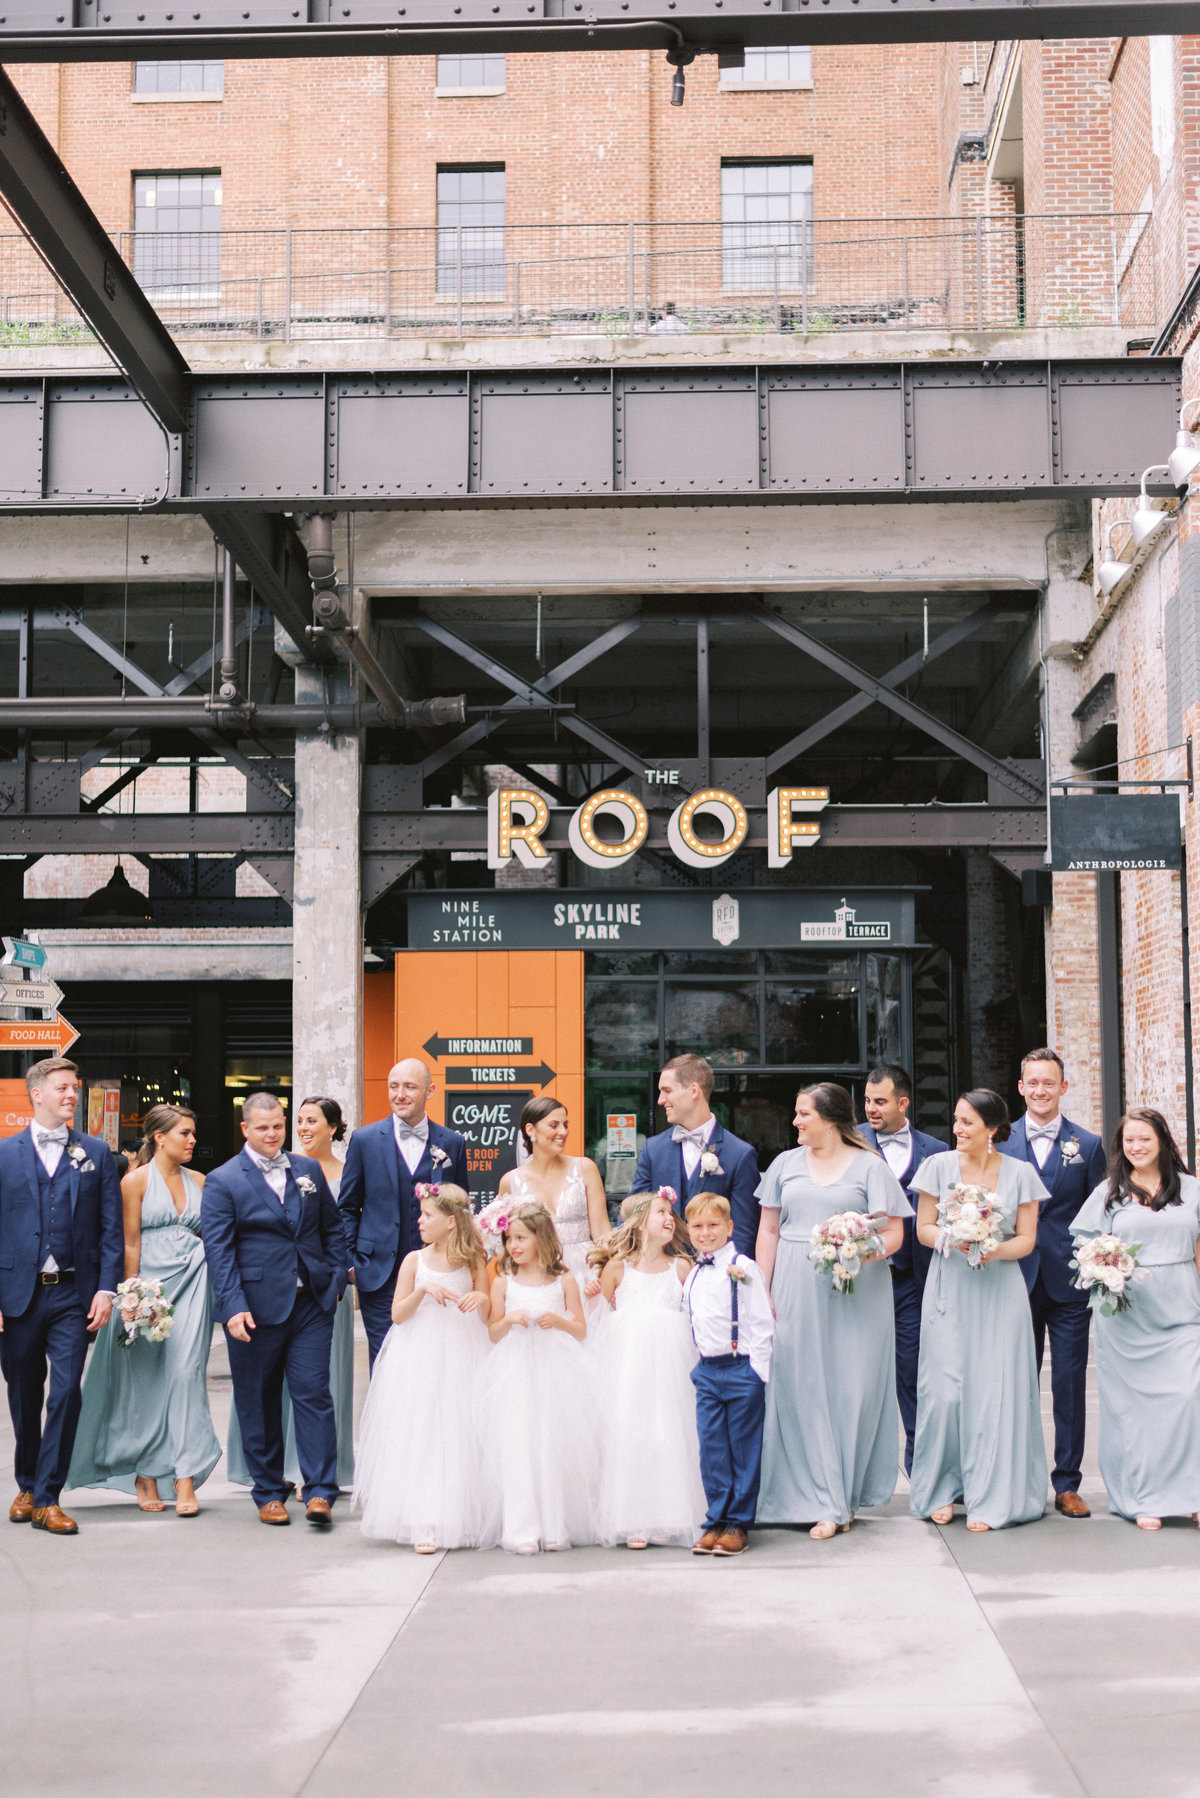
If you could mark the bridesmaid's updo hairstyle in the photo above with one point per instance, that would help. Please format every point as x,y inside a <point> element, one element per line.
<point>157,1122</point>
<point>990,1107</point>
<point>533,1113</point>
<point>331,1111</point>
<point>538,1221</point>
<point>835,1105</point>
<point>1121,1188</point>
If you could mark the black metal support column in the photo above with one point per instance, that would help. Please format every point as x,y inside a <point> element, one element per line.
<point>1186,947</point>
<point>702,710</point>
<point>24,676</point>
<point>1108,944</point>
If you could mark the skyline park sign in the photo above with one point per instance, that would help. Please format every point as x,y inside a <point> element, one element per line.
<point>518,817</point>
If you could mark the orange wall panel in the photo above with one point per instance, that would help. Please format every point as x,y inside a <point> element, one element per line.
<point>379,1007</point>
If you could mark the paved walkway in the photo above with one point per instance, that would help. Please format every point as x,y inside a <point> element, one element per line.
<point>215,1656</point>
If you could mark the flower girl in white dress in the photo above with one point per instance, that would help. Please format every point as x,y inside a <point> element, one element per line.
<point>421,1476</point>
<point>651,1490</point>
<point>540,1394</point>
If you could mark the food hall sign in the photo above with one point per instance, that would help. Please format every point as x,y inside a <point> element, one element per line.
<point>517,819</point>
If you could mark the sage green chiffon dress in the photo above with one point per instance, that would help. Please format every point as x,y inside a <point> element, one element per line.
<point>145,1407</point>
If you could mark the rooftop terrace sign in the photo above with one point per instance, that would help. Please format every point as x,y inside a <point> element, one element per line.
<point>873,917</point>
<point>1102,833</point>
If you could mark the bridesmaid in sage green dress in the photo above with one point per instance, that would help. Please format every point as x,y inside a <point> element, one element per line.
<point>979,1421</point>
<point>145,1410</point>
<point>830,1436</point>
<point>1148,1357</point>
<point>319,1124</point>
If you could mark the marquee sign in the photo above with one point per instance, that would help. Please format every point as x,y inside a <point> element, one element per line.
<point>518,818</point>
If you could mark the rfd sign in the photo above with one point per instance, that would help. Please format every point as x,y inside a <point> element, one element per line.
<point>517,820</point>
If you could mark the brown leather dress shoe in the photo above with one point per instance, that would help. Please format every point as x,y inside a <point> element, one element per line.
<point>1071,1505</point>
<point>274,1512</point>
<point>319,1512</point>
<point>21,1508</point>
<point>707,1542</point>
<point>54,1519</point>
<point>734,1541</point>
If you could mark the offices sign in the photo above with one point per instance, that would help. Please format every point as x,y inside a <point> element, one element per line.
<point>657,918</point>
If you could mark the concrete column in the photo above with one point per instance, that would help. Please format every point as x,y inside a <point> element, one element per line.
<point>990,988</point>
<point>327,1015</point>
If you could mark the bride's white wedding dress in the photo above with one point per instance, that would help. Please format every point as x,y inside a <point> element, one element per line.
<point>574,1231</point>
<point>422,1477</point>
<point>651,1486</point>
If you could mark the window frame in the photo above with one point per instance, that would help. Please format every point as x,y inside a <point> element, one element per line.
<point>734,81</point>
<point>176,96</point>
<point>461,90</point>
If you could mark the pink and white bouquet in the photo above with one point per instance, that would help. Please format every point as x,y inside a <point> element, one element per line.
<point>144,1311</point>
<point>494,1220</point>
<point>1107,1268</point>
<point>971,1217</point>
<point>840,1246</point>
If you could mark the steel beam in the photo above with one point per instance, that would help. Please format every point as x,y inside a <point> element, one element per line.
<point>258,444</point>
<point>257,834</point>
<point>122,30</point>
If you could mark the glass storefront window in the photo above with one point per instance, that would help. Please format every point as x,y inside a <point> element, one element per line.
<point>709,961</point>
<point>813,1021</point>
<point>724,1018</point>
<point>885,1031</point>
<point>624,1097</point>
<point>620,1024</point>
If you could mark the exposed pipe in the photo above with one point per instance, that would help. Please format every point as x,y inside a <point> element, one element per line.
<point>228,691</point>
<point>333,622</point>
<point>191,714</point>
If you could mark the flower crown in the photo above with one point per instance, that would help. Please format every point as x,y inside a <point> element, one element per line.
<point>669,1194</point>
<point>424,1189</point>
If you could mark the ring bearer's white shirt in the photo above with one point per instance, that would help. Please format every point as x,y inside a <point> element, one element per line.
<point>706,1292</point>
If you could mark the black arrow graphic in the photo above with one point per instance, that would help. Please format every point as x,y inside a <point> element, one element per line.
<point>438,1046</point>
<point>477,1076</point>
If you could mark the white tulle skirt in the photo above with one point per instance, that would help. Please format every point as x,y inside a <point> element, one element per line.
<point>542,1442</point>
<point>651,1486</point>
<point>422,1476</point>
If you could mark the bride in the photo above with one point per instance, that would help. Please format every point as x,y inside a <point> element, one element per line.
<point>569,1186</point>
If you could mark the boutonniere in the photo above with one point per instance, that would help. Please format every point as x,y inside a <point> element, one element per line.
<point>1070,1149</point>
<point>78,1157</point>
<point>306,1186</point>
<point>738,1275</point>
<point>438,1156</point>
<point>709,1163</point>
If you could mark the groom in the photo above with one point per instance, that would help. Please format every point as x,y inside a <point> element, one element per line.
<point>277,1255</point>
<point>696,1154</point>
<point>62,1256</point>
<point>1070,1163</point>
<point>385,1163</point>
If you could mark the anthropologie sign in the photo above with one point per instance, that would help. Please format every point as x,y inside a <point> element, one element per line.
<point>518,818</point>
<point>663,918</point>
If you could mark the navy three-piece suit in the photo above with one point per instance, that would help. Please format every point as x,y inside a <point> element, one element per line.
<point>286,1264</point>
<point>1058,1307</point>
<point>661,1164</point>
<point>379,1203</point>
<point>76,1218</point>
<point>910,1265</point>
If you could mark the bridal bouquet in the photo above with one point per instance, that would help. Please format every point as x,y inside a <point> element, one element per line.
<point>494,1220</point>
<point>971,1216</point>
<point>1107,1268</point>
<point>144,1311</point>
<point>840,1246</point>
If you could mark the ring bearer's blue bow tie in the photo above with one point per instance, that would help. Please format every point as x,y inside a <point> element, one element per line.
<point>707,1261</point>
<point>419,1131</point>
<point>49,1136</point>
<point>679,1134</point>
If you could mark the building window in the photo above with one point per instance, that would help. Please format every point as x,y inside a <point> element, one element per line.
<point>470,74</point>
<point>180,80</point>
<point>470,218</point>
<point>766,224</point>
<point>768,67</point>
<point>177,222</point>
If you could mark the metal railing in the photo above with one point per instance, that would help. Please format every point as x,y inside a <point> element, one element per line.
<point>992,272</point>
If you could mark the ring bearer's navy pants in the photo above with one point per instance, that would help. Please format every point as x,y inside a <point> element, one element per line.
<point>731,1403</point>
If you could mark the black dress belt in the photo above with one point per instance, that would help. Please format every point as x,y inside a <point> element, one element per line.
<point>58,1278</point>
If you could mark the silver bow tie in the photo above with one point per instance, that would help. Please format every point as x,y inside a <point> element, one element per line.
<point>895,1136</point>
<point>419,1131</point>
<point>697,1137</point>
<point>47,1136</point>
<point>1042,1132</point>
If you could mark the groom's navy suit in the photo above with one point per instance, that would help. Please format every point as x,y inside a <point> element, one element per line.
<point>910,1265</point>
<point>285,1263</point>
<point>661,1163</point>
<point>1057,1306</point>
<point>75,1217</point>
<point>379,1203</point>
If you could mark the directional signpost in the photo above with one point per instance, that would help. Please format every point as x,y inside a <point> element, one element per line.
<point>482,1076</point>
<point>18,953</point>
<point>34,995</point>
<point>54,1035</point>
<point>437,1046</point>
<point>25,986</point>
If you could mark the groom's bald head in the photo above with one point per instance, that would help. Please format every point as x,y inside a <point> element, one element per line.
<point>409,1086</point>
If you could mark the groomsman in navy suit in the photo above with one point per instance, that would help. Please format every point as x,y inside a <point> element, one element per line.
<point>696,1154</point>
<point>1071,1163</point>
<point>888,1129</point>
<point>385,1163</point>
<point>277,1254</point>
<point>62,1256</point>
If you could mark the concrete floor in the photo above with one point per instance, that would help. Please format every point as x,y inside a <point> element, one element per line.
<point>1051,1661</point>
